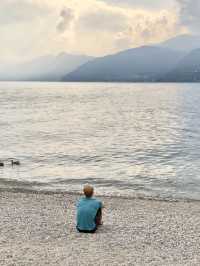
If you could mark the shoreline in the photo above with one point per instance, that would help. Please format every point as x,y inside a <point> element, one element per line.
<point>39,229</point>
<point>136,197</point>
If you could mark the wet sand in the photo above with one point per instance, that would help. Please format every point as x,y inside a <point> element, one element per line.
<point>39,229</point>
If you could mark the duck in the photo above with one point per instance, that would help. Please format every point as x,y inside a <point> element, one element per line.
<point>1,164</point>
<point>15,162</point>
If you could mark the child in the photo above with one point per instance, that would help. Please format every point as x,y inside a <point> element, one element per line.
<point>89,212</point>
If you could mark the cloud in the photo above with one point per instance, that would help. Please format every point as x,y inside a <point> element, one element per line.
<point>16,11</point>
<point>189,14</point>
<point>146,4</point>
<point>23,31</point>
<point>94,27</point>
<point>103,20</point>
<point>66,17</point>
<point>112,29</point>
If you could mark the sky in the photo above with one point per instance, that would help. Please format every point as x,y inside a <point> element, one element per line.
<point>31,28</point>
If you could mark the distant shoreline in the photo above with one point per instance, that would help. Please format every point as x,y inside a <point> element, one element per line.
<point>102,81</point>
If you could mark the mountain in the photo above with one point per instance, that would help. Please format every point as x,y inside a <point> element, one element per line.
<point>145,63</point>
<point>188,69</point>
<point>45,68</point>
<point>173,60</point>
<point>183,42</point>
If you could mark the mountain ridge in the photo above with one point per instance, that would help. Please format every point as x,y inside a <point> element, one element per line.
<point>44,68</point>
<point>176,59</point>
<point>183,42</point>
<point>188,69</point>
<point>143,63</point>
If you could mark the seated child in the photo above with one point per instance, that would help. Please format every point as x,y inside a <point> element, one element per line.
<point>89,212</point>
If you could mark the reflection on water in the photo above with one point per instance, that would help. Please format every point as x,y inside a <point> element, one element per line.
<point>127,139</point>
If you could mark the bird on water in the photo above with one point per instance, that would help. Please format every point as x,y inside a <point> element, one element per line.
<point>15,162</point>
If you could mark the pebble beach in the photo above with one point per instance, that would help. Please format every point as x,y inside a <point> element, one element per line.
<point>39,229</point>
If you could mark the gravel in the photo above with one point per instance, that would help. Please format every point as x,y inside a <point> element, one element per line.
<point>39,229</point>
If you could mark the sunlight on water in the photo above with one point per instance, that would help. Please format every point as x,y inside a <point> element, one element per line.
<point>126,139</point>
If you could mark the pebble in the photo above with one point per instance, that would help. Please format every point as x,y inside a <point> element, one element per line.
<point>38,229</point>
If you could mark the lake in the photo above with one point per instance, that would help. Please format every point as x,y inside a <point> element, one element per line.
<point>126,139</point>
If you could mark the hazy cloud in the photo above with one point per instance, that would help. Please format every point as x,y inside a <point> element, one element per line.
<point>66,17</point>
<point>190,14</point>
<point>18,11</point>
<point>114,29</point>
<point>147,4</point>
<point>103,20</point>
<point>30,28</point>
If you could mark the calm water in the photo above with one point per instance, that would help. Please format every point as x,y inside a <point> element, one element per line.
<point>126,139</point>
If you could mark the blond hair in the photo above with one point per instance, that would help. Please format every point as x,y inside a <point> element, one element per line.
<point>88,191</point>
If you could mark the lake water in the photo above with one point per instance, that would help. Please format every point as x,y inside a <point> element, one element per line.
<point>126,139</point>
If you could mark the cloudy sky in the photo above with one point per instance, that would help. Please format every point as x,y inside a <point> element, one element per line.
<point>31,28</point>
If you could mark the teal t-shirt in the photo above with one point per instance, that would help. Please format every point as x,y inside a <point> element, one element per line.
<point>86,211</point>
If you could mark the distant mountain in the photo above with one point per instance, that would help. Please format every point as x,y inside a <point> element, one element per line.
<point>46,68</point>
<point>145,63</point>
<point>188,69</point>
<point>183,42</point>
<point>176,59</point>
